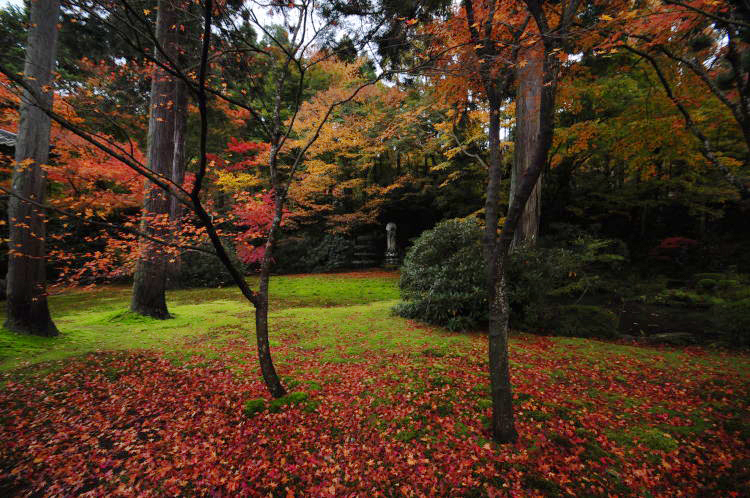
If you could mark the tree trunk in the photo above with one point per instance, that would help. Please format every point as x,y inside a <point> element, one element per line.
<point>270,376</point>
<point>503,425</point>
<point>492,202</point>
<point>530,84</point>
<point>176,209</point>
<point>502,411</point>
<point>26,282</point>
<point>150,279</point>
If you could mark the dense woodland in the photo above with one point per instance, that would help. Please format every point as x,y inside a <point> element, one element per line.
<point>573,168</point>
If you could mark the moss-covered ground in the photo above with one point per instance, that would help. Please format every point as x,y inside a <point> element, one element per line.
<point>378,405</point>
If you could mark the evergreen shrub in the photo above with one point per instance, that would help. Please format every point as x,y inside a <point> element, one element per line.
<point>443,278</point>
<point>443,281</point>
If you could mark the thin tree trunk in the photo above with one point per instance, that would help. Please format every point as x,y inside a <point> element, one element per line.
<point>26,292</point>
<point>530,84</point>
<point>503,425</point>
<point>502,412</point>
<point>270,376</point>
<point>150,279</point>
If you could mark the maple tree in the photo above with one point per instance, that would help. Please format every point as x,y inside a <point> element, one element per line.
<point>287,60</point>
<point>706,41</point>
<point>488,63</point>
<point>287,129</point>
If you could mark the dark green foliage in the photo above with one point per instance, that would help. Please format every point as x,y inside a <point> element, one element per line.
<point>198,269</point>
<point>254,406</point>
<point>577,265</point>
<point>443,281</point>
<point>585,321</point>
<point>294,398</point>
<point>733,322</point>
<point>443,277</point>
<point>706,284</point>
<point>484,404</point>
<point>313,254</point>
<point>13,36</point>
<point>332,253</point>
<point>725,80</point>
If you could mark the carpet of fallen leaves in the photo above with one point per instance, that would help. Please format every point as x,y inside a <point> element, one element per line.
<point>383,424</point>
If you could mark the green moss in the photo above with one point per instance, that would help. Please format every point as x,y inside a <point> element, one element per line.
<point>312,385</point>
<point>712,276</point>
<point>560,440</point>
<point>592,451</point>
<point>558,376</point>
<point>739,424</point>
<point>650,437</point>
<point>538,415</point>
<point>461,430</point>
<point>439,381</point>
<point>521,397</point>
<point>407,435</point>
<point>657,440</point>
<point>254,406</point>
<point>311,406</point>
<point>484,404</point>
<point>728,283</point>
<point>291,399</point>
<point>290,382</point>
<point>433,352</point>
<point>536,481</point>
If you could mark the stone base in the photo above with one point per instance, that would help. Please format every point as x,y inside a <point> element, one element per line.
<point>391,261</point>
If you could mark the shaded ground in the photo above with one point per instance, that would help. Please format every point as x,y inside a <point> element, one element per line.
<point>643,320</point>
<point>393,408</point>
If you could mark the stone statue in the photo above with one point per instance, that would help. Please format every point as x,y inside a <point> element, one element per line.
<point>391,252</point>
<point>390,228</point>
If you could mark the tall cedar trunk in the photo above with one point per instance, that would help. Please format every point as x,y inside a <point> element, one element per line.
<point>270,376</point>
<point>176,209</point>
<point>150,280</point>
<point>492,202</point>
<point>26,281</point>
<point>503,425</point>
<point>530,82</point>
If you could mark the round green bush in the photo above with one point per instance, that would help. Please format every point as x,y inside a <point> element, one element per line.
<point>443,279</point>
<point>443,282</point>
<point>706,283</point>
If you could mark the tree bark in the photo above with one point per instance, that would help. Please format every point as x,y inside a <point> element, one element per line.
<point>176,209</point>
<point>502,423</point>
<point>26,282</point>
<point>528,100</point>
<point>267,369</point>
<point>150,279</point>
